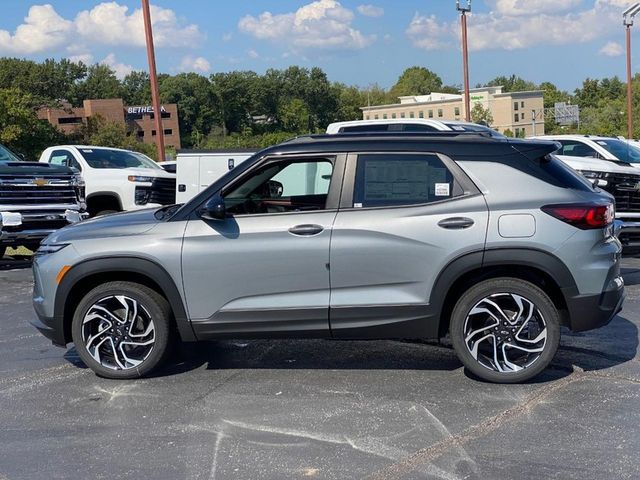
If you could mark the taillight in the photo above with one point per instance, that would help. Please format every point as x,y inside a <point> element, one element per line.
<point>584,217</point>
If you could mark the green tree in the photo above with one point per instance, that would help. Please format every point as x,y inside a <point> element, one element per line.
<point>20,128</point>
<point>100,82</point>
<point>136,89</point>
<point>197,106</point>
<point>512,84</point>
<point>481,115</point>
<point>416,81</point>
<point>294,116</point>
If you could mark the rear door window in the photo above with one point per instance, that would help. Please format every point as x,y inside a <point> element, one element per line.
<point>396,179</point>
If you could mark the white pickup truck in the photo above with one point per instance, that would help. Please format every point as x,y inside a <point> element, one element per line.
<point>116,180</point>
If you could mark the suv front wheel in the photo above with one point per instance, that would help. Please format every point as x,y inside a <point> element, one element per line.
<point>121,330</point>
<point>505,330</point>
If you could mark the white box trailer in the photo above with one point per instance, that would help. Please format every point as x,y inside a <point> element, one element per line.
<point>197,169</point>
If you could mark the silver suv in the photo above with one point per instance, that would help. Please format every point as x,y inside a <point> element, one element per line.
<point>492,241</point>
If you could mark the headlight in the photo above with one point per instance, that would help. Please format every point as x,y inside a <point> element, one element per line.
<point>77,180</point>
<point>597,178</point>
<point>47,249</point>
<point>138,178</point>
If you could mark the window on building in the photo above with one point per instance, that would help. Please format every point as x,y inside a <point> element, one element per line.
<point>164,115</point>
<point>440,113</point>
<point>69,120</point>
<point>412,115</point>
<point>430,113</point>
<point>516,118</point>
<point>376,117</point>
<point>457,111</point>
<point>421,114</point>
<point>153,133</point>
<point>402,179</point>
<point>522,104</point>
<point>522,116</point>
<point>393,115</point>
<point>515,106</point>
<point>402,115</point>
<point>384,116</point>
<point>141,133</point>
<point>168,131</point>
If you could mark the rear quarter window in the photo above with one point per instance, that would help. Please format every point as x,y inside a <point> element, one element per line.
<point>394,179</point>
<point>557,173</point>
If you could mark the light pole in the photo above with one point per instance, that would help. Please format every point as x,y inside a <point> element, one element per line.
<point>464,8</point>
<point>153,76</point>
<point>627,20</point>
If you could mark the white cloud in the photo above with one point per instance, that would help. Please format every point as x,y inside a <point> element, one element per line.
<point>121,69</point>
<point>85,58</point>
<point>427,33</point>
<point>253,54</point>
<point>197,64</point>
<point>612,49</point>
<point>531,7</point>
<point>111,23</point>
<point>43,30</point>
<point>320,25</point>
<point>513,29</point>
<point>108,23</point>
<point>370,10</point>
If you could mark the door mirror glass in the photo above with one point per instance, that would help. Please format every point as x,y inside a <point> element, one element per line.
<point>214,209</point>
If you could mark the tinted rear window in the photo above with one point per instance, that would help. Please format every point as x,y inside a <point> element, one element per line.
<point>559,174</point>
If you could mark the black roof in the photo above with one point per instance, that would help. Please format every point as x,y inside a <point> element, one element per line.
<point>456,144</point>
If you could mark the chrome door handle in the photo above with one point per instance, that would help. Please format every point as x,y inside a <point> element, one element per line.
<point>306,230</point>
<point>456,223</point>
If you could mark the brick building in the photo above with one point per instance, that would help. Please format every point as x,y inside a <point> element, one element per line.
<point>139,120</point>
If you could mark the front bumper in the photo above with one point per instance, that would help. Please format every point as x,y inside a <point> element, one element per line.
<point>51,328</point>
<point>587,312</point>
<point>33,226</point>
<point>628,232</point>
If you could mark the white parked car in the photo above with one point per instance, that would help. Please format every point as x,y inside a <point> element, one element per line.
<point>409,125</point>
<point>115,179</point>
<point>604,148</point>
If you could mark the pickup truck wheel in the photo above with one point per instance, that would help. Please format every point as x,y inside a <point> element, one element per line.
<point>505,330</point>
<point>2,251</point>
<point>121,330</point>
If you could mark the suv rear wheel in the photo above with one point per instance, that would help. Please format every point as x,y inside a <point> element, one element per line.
<point>505,330</point>
<point>121,330</point>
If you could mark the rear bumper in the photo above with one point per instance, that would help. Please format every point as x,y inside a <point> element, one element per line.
<point>587,312</point>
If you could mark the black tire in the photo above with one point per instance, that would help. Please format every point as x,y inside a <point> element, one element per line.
<point>497,286</point>
<point>159,313</point>
<point>2,251</point>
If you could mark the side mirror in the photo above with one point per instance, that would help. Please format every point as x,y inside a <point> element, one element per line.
<point>214,209</point>
<point>276,189</point>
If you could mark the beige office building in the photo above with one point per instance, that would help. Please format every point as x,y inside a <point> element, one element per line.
<point>512,111</point>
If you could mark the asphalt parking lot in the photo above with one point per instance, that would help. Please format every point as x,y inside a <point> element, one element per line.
<point>317,409</point>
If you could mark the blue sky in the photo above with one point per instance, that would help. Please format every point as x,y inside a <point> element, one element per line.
<point>356,42</point>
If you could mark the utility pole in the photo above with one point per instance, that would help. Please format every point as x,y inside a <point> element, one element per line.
<point>153,76</point>
<point>464,8</point>
<point>627,20</point>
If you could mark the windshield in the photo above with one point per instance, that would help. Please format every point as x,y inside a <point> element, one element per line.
<point>104,158</point>
<point>622,150</point>
<point>473,127</point>
<point>7,155</point>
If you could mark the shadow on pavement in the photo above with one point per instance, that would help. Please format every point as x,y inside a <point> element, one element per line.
<point>15,262</point>
<point>607,347</point>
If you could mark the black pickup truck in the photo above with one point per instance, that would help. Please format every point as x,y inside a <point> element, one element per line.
<point>36,199</point>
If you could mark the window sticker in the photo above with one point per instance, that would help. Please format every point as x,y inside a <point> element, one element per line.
<point>442,190</point>
<point>86,150</point>
<point>357,205</point>
<point>603,143</point>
